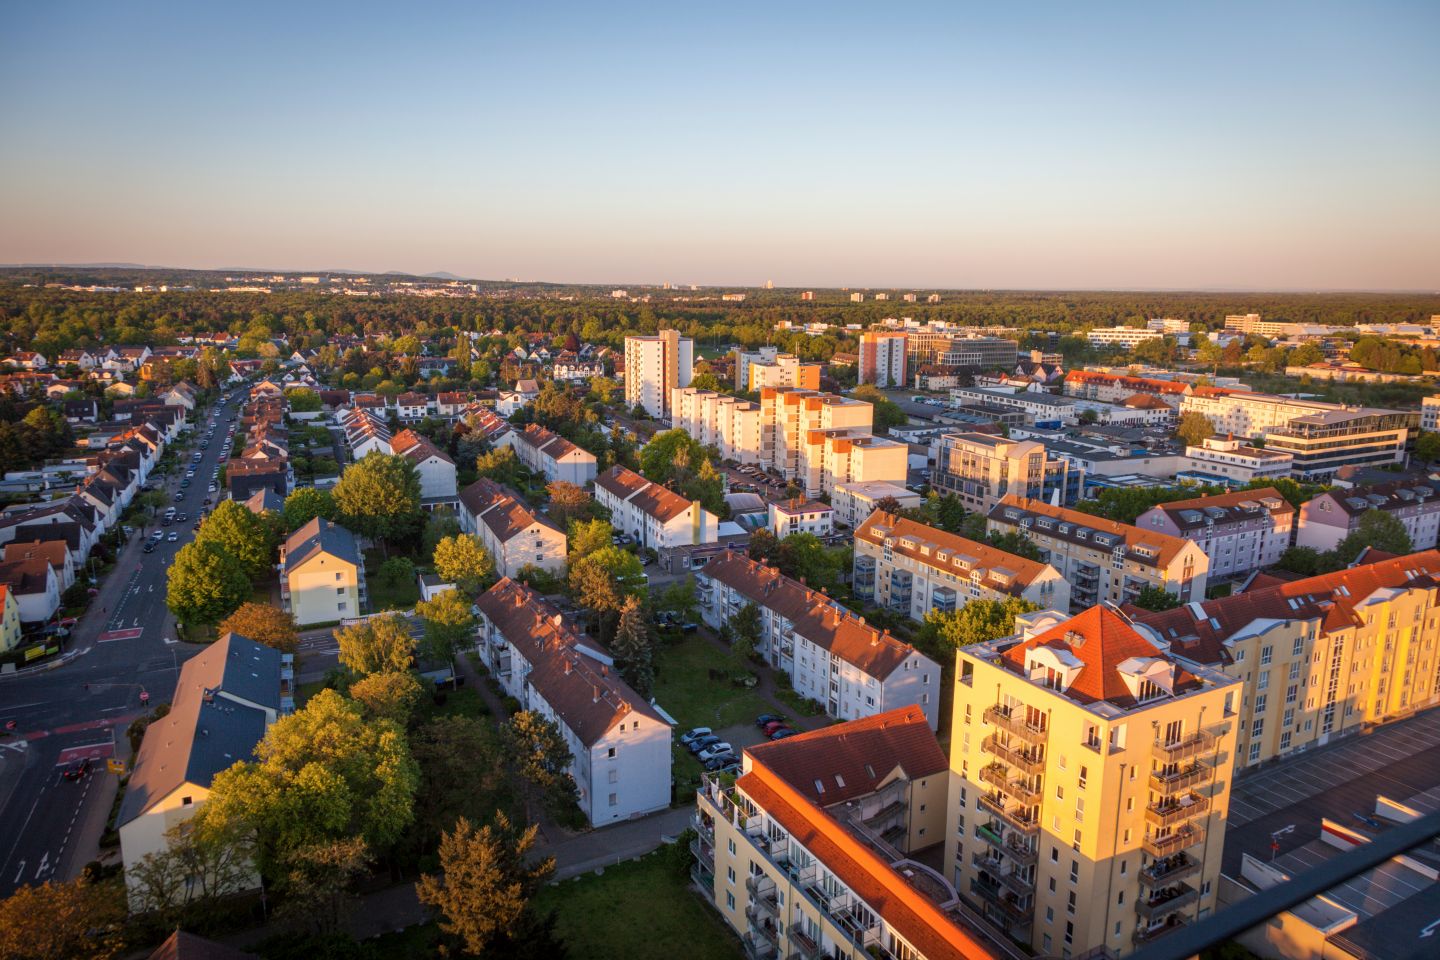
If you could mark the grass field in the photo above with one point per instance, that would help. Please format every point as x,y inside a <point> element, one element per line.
<point>684,687</point>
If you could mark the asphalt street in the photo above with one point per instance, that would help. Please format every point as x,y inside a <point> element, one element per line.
<point>124,646</point>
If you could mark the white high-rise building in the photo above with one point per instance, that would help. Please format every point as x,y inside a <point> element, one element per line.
<point>654,366</point>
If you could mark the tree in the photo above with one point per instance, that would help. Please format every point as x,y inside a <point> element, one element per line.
<point>263,624</point>
<point>587,536</point>
<point>460,773</point>
<point>1376,529</point>
<point>1427,447</point>
<point>78,920</point>
<point>464,561</point>
<point>389,695</point>
<point>1306,354</point>
<point>603,579</point>
<point>669,454</point>
<point>302,400</point>
<point>804,557</point>
<point>679,598</point>
<point>485,881</point>
<point>567,501</point>
<point>887,413</point>
<point>205,584</point>
<point>535,748</point>
<point>635,648</point>
<point>1156,598</point>
<point>449,624</point>
<point>502,466</point>
<point>242,534</point>
<point>379,497</point>
<point>318,878</point>
<point>1194,428</point>
<point>197,867</point>
<point>764,546</point>
<point>746,626</point>
<point>976,622</point>
<point>305,505</point>
<point>327,772</point>
<point>396,575</point>
<point>1016,543</point>
<point>377,645</point>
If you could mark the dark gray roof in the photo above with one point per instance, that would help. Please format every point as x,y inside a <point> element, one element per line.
<point>1403,932</point>
<point>320,535</point>
<point>207,729</point>
<point>265,499</point>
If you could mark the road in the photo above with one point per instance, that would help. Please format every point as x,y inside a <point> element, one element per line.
<point>122,646</point>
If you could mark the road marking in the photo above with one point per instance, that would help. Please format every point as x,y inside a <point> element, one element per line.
<point>19,873</point>
<point>44,862</point>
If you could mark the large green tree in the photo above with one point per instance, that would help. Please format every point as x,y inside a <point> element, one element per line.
<point>535,748</point>
<point>977,621</point>
<point>379,497</point>
<point>305,505</point>
<point>634,647</point>
<point>464,561</point>
<point>205,584</point>
<point>449,624</point>
<point>1194,428</point>
<point>377,645</point>
<point>604,579</point>
<point>1377,529</point>
<point>242,534</point>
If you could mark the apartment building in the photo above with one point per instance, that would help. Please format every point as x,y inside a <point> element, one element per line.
<point>551,455</point>
<point>514,535</point>
<point>1320,658</point>
<point>801,516</point>
<point>1127,337</point>
<point>226,697</point>
<point>10,629</point>
<point>809,852</point>
<point>433,465</point>
<point>882,358</point>
<point>981,468</point>
<point>1232,462</point>
<point>854,502</point>
<point>655,366</point>
<point>912,568</point>
<point>1117,388</point>
<point>768,367</point>
<point>1240,532</point>
<point>1330,517</point>
<point>657,517</point>
<point>1430,413</point>
<point>322,574</point>
<point>830,655</point>
<point>620,743</point>
<point>1089,784</point>
<point>727,423</point>
<point>845,456</point>
<point>1037,406</point>
<point>787,417</point>
<point>1104,561</point>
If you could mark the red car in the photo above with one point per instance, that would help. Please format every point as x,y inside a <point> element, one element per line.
<point>774,725</point>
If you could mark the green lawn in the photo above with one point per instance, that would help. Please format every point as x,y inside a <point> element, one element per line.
<point>684,688</point>
<point>636,911</point>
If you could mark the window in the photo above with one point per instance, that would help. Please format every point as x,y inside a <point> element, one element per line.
<point>614,775</point>
<point>730,897</point>
<point>186,801</point>
<point>340,606</point>
<point>610,754</point>
<point>614,801</point>
<point>1070,904</point>
<point>730,875</point>
<point>339,591</point>
<point>1299,647</point>
<point>338,576</point>
<point>1049,914</point>
<point>1084,773</point>
<point>1254,752</point>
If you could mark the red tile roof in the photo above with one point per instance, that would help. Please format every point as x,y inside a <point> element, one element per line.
<point>962,555</point>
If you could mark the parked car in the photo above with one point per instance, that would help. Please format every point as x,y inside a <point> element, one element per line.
<point>783,733</point>
<point>765,719</point>
<point>173,536</point>
<point>149,547</point>
<point>774,725</point>
<point>695,734</point>
<point>179,495</point>
<point>714,750</point>
<point>732,766</point>
<point>720,761</point>
<point>703,744</point>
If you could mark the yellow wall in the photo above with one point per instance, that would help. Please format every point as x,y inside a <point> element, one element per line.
<point>313,596</point>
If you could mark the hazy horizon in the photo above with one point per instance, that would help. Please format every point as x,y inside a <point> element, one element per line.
<point>1289,147</point>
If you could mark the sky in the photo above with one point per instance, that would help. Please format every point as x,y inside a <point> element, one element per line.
<point>1260,146</point>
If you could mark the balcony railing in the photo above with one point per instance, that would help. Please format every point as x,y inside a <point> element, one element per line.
<point>703,879</point>
<point>703,853</point>
<point>1015,723</point>
<point>1017,850</point>
<point>996,774</point>
<point>1006,902</point>
<point>802,945</point>
<point>1182,839</point>
<point>1016,817</point>
<point>1170,812</point>
<point>1172,923</point>
<point>1170,784</point>
<point>1166,901</point>
<point>758,948</point>
<point>763,927</point>
<point>999,870</point>
<point>1168,870</point>
<point>1030,761</point>
<point>1198,743</point>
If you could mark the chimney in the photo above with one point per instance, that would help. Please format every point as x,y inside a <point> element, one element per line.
<point>604,670</point>
<point>567,666</point>
<point>558,620</point>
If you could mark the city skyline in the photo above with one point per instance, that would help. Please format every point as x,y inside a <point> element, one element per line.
<point>1231,148</point>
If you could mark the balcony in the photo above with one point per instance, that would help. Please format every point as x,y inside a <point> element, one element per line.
<point>703,879</point>
<point>1014,816</point>
<point>1172,923</point>
<point>704,853</point>
<point>803,947</point>
<point>758,948</point>
<point>997,775</point>
<point>1030,761</point>
<point>1186,748</point>
<point>1166,901</point>
<point>1170,812</point>
<point>1006,903</point>
<point>1168,870</point>
<point>762,898</point>
<point>1171,784</point>
<point>1014,722</point>
<point>1020,851</point>
<point>1171,843</point>
<point>763,928</point>
<point>943,600</point>
<point>999,870</point>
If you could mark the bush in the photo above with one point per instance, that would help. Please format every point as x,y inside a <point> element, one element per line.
<point>512,706</point>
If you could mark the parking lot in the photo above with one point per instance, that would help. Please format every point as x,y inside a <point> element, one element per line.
<point>1340,781</point>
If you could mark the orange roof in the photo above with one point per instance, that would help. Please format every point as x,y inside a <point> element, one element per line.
<point>961,556</point>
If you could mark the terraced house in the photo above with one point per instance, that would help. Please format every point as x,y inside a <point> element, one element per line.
<point>810,852</point>
<point>913,568</point>
<point>1089,783</point>
<point>1104,561</point>
<point>657,517</point>
<point>830,655</point>
<point>551,455</point>
<point>1319,657</point>
<point>1240,532</point>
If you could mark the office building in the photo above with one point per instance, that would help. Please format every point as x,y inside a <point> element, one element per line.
<point>882,358</point>
<point>1430,413</point>
<point>1104,561</point>
<point>1127,337</point>
<point>912,568</point>
<point>1330,517</point>
<point>1240,532</point>
<point>981,468</point>
<point>1230,462</point>
<point>1089,784</point>
<point>655,366</point>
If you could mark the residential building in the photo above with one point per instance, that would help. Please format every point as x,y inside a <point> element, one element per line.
<point>1321,657</point>
<point>1089,784</point>
<point>854,502</point>
<point>655,366</point>
<point>768,367</point>
<point>1230,462</point>
<point>10,635</point>
<point>322,574</point>
<point>1127,337</point>
<point>226,697</point>
<point>1117,388</point>
<point>1330,517</point>
<point>1241,532</point>
<point>801,516</point>
<point>620,743</point>
<point>844,456</point>
<point>514,535</point>
<point>829,654</point>
<point>1430,413</point>
<point>882,358</point>
<point>56,552</point>
<point>1104,561</point>
<point>980,469</point>
<point>33,588</point>
<point>1038,406</point>
<point>244,478</point>
<point>811,851</point>
<point>551,455</point>
<point>911,568</point>
<point>728,423</point>
<point>433,465</point>
<point>657,517</point>
<point>788,416</point>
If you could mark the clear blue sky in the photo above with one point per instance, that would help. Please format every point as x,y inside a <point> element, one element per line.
<point>1157,145</point>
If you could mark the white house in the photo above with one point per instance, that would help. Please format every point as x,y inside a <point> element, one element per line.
<point>436,469</point>
<point>552,455</point>
<point>657,517</point>
<point>511,533</point>
<point>801,516</point>
<point>35,587</point>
